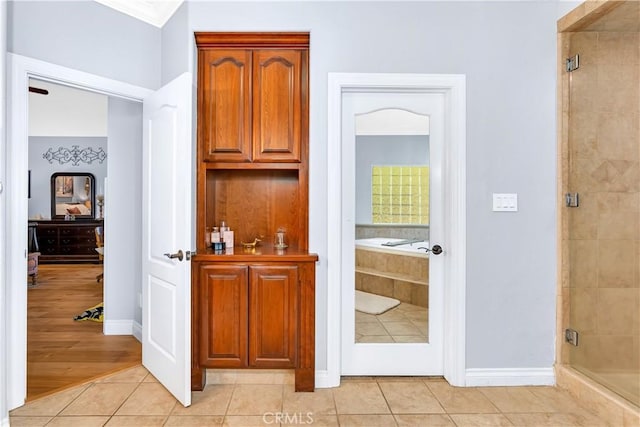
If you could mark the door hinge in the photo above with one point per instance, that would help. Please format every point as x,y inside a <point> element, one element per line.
<point>571,336</point>
<point>573,63</point>
<point>572,200</point>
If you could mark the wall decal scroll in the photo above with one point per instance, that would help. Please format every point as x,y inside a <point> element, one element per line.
<point>75,155</point>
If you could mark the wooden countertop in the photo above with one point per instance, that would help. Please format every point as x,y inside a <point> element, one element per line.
<point>263,253</point>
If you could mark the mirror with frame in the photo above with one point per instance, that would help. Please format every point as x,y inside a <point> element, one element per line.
<point>73,194</point>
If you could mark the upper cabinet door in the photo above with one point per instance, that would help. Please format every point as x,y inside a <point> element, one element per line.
<point>224,105</point>
<point>279,96</point>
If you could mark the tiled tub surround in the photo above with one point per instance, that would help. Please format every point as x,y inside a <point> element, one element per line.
<point>366,231</point>
<point>391,273</point>
<point>599,294</point>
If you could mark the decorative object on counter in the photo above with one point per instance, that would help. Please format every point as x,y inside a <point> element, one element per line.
<point>251,245</point>
<point>75,155</point>
<point>280,241</point>
<point>100,199</point>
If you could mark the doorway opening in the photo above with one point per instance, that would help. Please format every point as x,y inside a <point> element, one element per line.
<point>68,163</point>
<point>451,91</point>
<point>123,230</point>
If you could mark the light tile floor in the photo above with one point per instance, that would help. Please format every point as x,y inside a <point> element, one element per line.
<point>404,323</point>
<point>134,398</point>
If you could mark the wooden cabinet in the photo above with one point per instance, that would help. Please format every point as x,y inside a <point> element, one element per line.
<point>253,308</point>
<point>249,315</point>
<point>252,100</point>
<point>67,241</point>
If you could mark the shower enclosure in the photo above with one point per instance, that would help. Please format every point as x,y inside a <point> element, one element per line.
<point>599,87</point>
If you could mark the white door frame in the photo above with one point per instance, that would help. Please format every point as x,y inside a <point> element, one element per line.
<point>454,184</point>
<point>20,69</point>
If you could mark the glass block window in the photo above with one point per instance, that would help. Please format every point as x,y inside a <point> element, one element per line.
<point>400,194</point>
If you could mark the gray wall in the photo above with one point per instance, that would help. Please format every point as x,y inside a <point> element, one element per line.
<point>176,45</point>
<point>384,150</point>
<point>510,141</point>
<point>123,212</point>
<point>510,124</point>
<point>87,36</point>
<point>41,169</point>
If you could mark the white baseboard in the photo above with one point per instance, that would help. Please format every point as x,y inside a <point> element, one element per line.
<point>324,380</point>
<point>137,331</point>
<point>510,377</point>
<point>118,327</point>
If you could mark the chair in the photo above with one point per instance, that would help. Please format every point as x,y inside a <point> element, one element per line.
<point>100,249</point>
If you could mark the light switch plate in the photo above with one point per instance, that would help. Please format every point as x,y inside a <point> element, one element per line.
<point>505,202</point>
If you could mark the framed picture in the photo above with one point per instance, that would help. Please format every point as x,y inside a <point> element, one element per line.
<point>64,186</point>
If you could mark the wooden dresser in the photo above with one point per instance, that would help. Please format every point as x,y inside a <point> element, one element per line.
<point>67,241</point>
<point>253,308</point>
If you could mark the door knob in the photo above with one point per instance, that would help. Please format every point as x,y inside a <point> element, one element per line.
<point>436,249</point>
<point>178,255</point>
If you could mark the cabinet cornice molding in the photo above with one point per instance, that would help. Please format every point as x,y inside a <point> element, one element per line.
<point>279,40</point>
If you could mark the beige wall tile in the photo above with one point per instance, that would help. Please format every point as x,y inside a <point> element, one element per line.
<point>584,303</point>
<point>618,226</point>
<point>584,44</point>
<point>618,48</point>
<point>583,134</point>
<point>583,221</point>
<point>581,89</point>
<point>618,311</point>
<point>420,295</point>
<point>583,263</point>
<point>618,135</point>
<point>619,202</point>
<point>618,264</point>
<point>402,290</point>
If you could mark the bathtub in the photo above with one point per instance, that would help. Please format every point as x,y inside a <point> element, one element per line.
<point>410,249</point>
<point>400,272</point>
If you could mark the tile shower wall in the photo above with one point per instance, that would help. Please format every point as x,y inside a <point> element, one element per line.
<point>602,279</point>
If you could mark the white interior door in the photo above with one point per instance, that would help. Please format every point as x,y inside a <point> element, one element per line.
<point>393,356</point>
<point>167,229</point>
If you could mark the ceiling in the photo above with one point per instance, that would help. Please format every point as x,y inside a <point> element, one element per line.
<point>154,12</point>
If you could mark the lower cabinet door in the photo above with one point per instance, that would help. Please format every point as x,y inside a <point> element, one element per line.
<point>273,316</point>
<point>224,310</point>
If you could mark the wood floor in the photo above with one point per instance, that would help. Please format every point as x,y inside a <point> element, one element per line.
<point>62,352</point>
